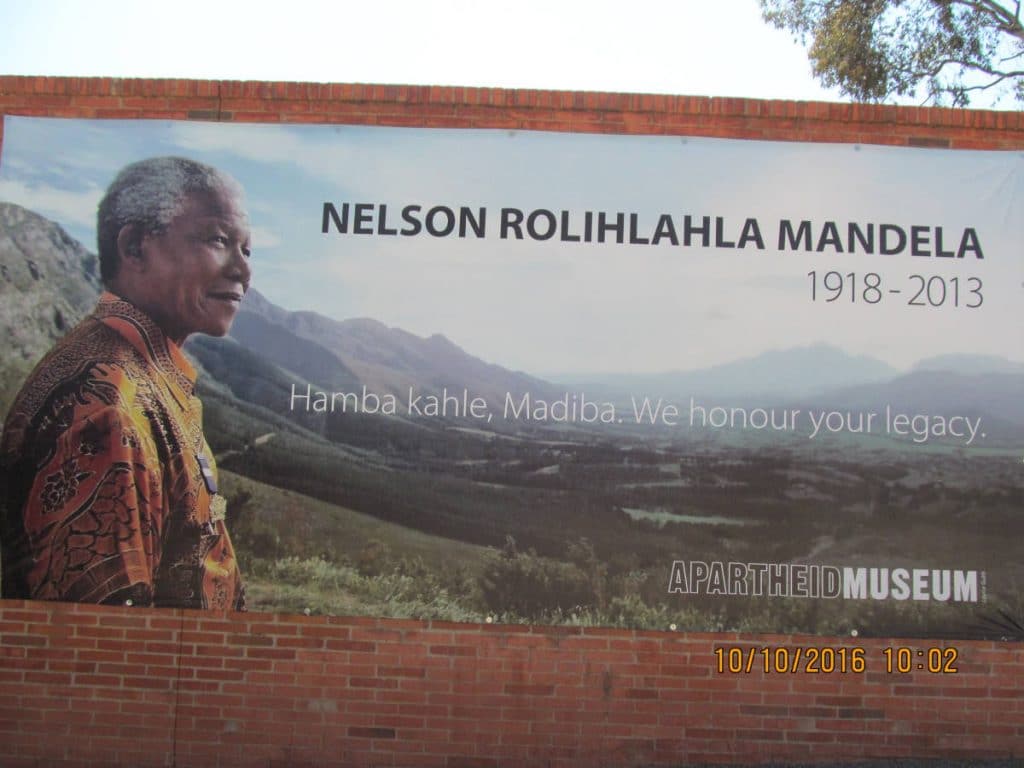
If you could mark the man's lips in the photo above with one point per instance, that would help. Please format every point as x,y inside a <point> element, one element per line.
<point>233,296</point>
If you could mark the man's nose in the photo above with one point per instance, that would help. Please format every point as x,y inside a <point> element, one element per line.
<point>240,267</point>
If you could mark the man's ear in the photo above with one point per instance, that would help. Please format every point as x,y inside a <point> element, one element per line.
<point>129,247</point>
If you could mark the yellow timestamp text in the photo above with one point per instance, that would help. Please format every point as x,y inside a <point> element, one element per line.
<point>815,660</point>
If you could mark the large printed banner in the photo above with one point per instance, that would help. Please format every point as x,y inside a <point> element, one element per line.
<point>659,382</point>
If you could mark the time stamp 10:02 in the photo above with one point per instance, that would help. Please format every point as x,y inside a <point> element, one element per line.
<point>825,660</point>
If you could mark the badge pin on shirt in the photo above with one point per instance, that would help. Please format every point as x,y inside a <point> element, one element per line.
<point>208,479</point>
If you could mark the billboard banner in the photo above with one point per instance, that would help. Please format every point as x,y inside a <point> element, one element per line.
<point>489,375</point>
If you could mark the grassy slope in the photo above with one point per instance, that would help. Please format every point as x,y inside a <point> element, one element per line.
<point>318,525</point>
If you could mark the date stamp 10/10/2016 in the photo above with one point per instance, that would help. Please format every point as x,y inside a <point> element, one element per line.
<point>814,660</point>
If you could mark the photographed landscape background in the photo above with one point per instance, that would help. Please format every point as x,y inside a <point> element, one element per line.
<point>524,521</point>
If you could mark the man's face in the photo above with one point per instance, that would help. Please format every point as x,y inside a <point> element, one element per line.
<point>197,270</point>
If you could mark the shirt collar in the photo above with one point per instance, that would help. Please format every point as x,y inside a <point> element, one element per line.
<point>145,336</point>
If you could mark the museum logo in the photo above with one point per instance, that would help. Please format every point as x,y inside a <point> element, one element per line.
<point>696,577</point>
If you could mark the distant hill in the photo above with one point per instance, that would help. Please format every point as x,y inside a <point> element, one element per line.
<point>823,377</point>
<point>275,342</point>
<point>994,396</point>
<point>48,282</point>
<point>795,372</point>
<point>340,355</point>
<point>969,364</point>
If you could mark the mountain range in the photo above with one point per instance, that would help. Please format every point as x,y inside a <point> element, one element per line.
<point>794,372</point>
<point>347,354</point>
<point>48,281</point>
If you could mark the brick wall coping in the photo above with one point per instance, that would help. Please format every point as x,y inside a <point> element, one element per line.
<point>453,106</point>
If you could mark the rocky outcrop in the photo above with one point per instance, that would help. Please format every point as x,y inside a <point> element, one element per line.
<point>48,282</point>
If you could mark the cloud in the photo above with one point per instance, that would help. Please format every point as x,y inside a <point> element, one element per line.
<point>65,206</point>
<point>264,144</point>
<point>263,238</point>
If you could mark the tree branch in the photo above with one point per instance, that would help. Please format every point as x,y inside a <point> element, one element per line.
<point>995,82</point>
<point>940,65</point>
<point>1004,20</point>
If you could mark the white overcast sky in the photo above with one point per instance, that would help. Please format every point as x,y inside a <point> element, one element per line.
<point>687,47</point>
<point>692,47</point>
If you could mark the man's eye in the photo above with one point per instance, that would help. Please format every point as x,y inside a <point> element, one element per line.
<point>247,252</point>
<point>219,240</point>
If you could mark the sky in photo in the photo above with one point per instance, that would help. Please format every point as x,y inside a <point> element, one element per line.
<point>551,306</point>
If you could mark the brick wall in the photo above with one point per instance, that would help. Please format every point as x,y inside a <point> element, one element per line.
<point>109,686</point>
<point>452,107</point>
<point>86,685</point>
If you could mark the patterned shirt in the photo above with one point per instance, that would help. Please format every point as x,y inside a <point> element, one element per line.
<point>108,489</point>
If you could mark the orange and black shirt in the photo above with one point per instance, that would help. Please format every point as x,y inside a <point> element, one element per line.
<point>107,486</point>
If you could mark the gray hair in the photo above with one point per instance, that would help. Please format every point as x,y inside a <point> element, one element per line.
<point>148,195</point>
